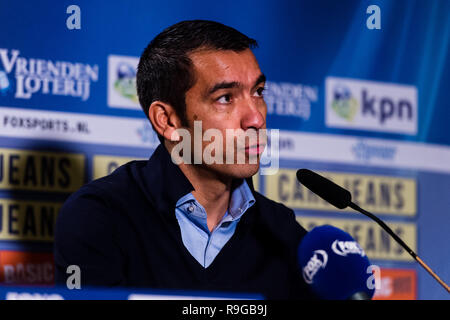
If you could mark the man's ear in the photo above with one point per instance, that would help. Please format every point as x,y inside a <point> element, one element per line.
<point>165,120</point>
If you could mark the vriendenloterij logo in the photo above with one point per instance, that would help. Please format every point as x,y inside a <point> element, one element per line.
<point>35,75</point>
<point>370,105</point>
<point>290,99</point>
<point>122,82</point>
<point>4,83</point>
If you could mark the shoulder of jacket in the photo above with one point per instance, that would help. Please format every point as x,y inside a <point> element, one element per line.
<point>120,179</point>
<point>269,205</point>
<point>106,189</point>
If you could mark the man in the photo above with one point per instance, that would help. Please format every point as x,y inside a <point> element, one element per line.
<point>193,225</point>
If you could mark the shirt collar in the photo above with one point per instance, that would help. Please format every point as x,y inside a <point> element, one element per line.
<point>164,183</point>
<point>185,199</point>
<point>241,199</point>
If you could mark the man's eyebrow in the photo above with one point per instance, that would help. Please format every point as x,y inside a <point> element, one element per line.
<point>224,85</point>
<point>234,84</point>
<point>261,79</point>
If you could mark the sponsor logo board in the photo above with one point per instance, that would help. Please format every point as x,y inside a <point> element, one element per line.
<point>377,194</point>
<point>28,220</point>
<point>371,106</point>
<point>24,77</point>
<point>397,284</point>
<point>41,171</point>
<point>122,82</point>
<point>375,242</point>
<point>26,268</point>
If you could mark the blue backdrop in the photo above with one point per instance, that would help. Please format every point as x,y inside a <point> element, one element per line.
<point>381,93</point>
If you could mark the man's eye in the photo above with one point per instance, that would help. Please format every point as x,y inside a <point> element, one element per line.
<point>259,92</point>
<point>224,99</point>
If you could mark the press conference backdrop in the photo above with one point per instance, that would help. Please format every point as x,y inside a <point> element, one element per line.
<point>367,107</point>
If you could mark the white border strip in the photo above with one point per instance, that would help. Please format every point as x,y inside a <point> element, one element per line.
<point>364,151</point>
<point>134,132</point>
<point>108,130</point>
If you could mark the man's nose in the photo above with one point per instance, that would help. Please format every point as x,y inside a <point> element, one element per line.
<point>254,116</point>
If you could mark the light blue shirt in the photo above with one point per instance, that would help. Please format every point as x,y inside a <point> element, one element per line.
<point>204,245</point>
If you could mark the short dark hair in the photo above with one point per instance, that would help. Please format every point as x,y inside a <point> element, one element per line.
<point>164,71</point>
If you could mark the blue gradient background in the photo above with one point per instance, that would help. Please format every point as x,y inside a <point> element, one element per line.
<point>300,42</point>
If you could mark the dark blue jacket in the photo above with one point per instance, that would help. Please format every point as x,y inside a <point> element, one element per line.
<point>121,230</point>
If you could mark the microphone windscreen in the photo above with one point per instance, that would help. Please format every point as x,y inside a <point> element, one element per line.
<point>324,188</point>
<point>334,264</point>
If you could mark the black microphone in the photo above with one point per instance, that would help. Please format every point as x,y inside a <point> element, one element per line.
<point>342,198</point>
<point>324,188</point>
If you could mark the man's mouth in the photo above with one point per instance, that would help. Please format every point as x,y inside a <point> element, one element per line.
<point>255,149</point>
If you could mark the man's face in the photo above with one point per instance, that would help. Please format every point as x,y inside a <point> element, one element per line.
<point>228,95</point>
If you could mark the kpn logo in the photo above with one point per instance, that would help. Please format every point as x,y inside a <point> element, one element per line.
<point>122,82</point>
<point>369,105</point>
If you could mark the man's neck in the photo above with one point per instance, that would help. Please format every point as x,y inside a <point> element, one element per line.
<point>212,192</point>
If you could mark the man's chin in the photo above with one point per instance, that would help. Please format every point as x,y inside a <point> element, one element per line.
<point>242,171</point>
<point>233,171</point>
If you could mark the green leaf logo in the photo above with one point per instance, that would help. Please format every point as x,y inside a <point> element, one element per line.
<point>344,104</point>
